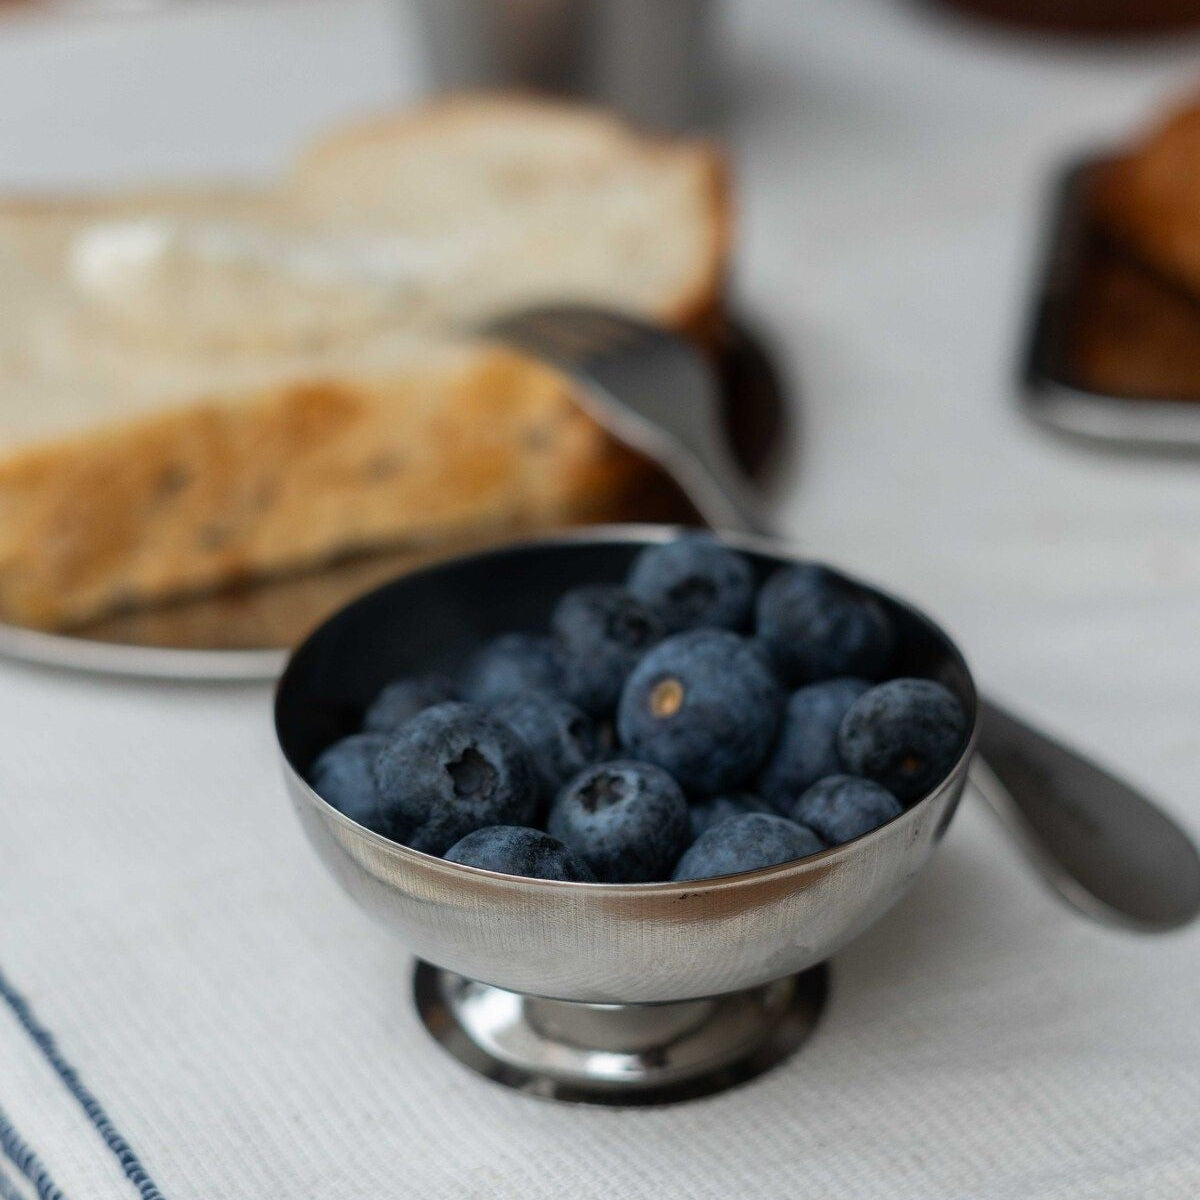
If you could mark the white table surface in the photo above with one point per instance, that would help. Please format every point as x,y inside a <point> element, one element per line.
<point>249,1032</point>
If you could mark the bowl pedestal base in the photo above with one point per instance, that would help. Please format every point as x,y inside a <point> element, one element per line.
<point>619,1053</point>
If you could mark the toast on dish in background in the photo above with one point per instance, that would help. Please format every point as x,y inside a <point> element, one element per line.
<point>202,387</point>
<point>1148,198</point>
<point>1131,332</point>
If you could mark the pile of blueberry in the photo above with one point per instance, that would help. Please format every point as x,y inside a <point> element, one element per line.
<point>650,735</point>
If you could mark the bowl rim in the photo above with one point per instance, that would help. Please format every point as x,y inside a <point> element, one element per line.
<point>781,549</point>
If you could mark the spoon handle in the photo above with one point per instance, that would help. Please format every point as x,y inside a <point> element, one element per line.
<point>1105,847</point>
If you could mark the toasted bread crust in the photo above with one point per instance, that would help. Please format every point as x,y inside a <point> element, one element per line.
<point>1149,197</point>
<point>290,477</point>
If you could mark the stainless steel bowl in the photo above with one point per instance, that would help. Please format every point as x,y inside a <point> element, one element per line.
<point>500,941</point>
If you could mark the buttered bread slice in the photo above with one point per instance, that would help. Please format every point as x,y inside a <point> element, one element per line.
<point>202,386</point>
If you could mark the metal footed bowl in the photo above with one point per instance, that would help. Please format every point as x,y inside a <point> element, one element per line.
<point>721,955</point>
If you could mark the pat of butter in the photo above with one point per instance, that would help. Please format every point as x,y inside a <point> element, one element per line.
<point>114,258</point>
<point>207,283</point>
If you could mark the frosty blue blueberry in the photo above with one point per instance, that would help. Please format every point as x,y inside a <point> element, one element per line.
<point>450,770</point>
<point>694,582</point>
<point>561,738</point>
<point>806,749</point>
<point>515,850</point>
<point>602,631</point>
<point>818,626</point>
<point>904,734</point>
<point>842,807</point>
<point>405,698</point>
<point>706,813</point>
<point>342,775</point>
<point>627,820</point>
<point>512,664</point>
<point>746,842</point>
<point>703,705</point>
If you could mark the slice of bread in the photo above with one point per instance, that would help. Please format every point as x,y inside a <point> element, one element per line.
<point>1148,198</point>
<point>202,386</point>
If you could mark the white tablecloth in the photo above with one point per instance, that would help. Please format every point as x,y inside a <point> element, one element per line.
<point>250,1034</point>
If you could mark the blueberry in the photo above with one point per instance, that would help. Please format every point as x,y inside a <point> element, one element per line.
<point>746,842</point>
<point>841,807</point>
<point>904,734</point>
<point>818,626</point>
<point>702,705</point>
<point>601,632</point>
<point>627,820</point>
<point>806,749</point>
<point>515,850</point>
<point>342,776</point>
<point>694,583</point>
<point>711,812</point>
<point>448,771</point>
<point>512,664</point>
<point>405,698</point>
<point>561,738</point>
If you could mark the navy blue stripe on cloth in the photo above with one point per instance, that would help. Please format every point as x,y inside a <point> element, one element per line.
<point>130,1163</point>
<point>8,1189</point>
<point>26,1161</point>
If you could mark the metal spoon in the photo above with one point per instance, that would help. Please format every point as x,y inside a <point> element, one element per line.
<point>1103,846</point>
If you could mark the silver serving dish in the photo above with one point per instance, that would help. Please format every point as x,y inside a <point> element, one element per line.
<point>592,991</point>
<point>1053,392</point>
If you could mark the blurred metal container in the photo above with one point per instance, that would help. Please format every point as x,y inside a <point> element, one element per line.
<point>649,59</point>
